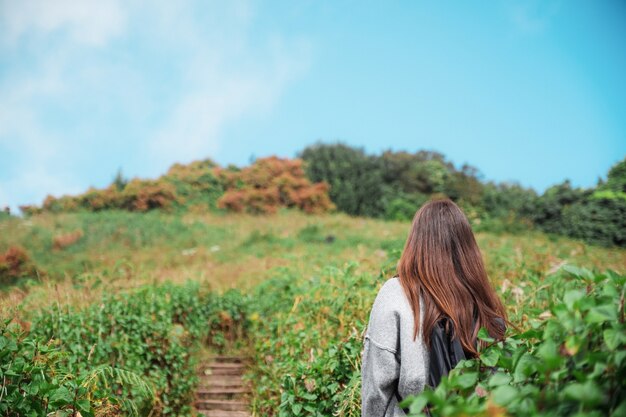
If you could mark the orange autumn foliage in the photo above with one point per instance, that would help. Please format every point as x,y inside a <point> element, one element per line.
<point>269,184</point>
<point>67,239</point>
<point>14,264</point>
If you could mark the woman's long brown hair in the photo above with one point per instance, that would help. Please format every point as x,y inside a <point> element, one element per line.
<point>441,262</point>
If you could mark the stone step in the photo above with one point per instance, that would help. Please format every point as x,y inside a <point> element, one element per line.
<point>223,405</point>
<point>229,365</point>
<point>220,393</point>
<point>222,369</point>
<point>230,359</point>
<point>222,413</point>
<point>226,365</point>
<point>222,381</point>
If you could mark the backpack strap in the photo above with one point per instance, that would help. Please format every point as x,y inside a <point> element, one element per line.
<point>399,399</point>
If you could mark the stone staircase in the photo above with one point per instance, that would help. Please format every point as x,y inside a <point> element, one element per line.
<point>221,391</point>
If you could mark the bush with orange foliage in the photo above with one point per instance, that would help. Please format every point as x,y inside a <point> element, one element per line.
<point>271,183</point>
<point>144,195</point>
<point>67,239</point>
<point>15,264</point>
<point>96,200</point>
<point>195,182</point>
<point>138,195</point>
<point>30,210</point>
<point>263,187</point>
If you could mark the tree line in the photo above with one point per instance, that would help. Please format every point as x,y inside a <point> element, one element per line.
<point>393,184</point>
<point>390,185</point>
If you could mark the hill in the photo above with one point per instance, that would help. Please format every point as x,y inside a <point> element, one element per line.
<point>390,186</point>
<point>298,287</point>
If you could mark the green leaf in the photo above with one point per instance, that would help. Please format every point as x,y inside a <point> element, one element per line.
<point>588,393</point>
<point>60,397</point>
<point>296,408</point>
<point>504,394</point>
<point>499,378</point>
<point>483,334</point>
<point>524,367</point>
<point>467,380</point>
<point>83,405</point>
<point>579,272</point>
<point>490,357</point>
<point>309,396</point>
<point>548,351</point>
<point>601,314</point>
<point>612,338</point>
<point>416,404</point>
<point>571,297</point>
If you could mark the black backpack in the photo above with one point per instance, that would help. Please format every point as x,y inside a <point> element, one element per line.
<point>445,352</point>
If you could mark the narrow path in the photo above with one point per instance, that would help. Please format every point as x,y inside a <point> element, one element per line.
<point>221,391</point>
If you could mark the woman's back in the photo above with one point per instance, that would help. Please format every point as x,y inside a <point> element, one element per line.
<point>441,275</point>
<point>394,364</point>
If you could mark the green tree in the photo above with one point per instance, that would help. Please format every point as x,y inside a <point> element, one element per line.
<point>120,181</point>
<point>355,178</point>
<point>548,209</point>
<point>615,185</point>
<point>507,200</point>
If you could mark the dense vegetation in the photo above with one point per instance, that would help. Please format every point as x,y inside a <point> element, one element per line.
<point>263,187</point>
<point>567,359</point>
<point>130,354</point>
<point>391,185</point>
<point>108,296</point>
<point>570,360</point>
<point>106,336</point>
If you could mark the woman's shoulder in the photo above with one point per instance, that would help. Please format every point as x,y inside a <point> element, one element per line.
<point>389,292</point>
<point>384,321</point>
<point>391,285</point>
<point>390,297</point>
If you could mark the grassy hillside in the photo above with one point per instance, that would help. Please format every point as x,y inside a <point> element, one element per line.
<point>120,250</point>
<point>131,295</point>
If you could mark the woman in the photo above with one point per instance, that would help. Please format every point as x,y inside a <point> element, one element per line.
<point>440,278</point>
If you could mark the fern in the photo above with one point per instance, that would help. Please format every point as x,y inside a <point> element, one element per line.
<point>106,375</point>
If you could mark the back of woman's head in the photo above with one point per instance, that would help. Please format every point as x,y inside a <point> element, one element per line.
<point>441,262</point>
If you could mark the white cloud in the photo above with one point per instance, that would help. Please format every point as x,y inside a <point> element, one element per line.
<point>91,22</point>
<point>33,185</point>
<point>220,74</point>
<point>216,97</point>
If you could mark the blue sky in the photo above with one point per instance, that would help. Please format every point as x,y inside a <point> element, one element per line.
<point>530,91</point>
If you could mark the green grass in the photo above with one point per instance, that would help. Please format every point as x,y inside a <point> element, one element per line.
<point>308,281</point>
<point>121,250</point>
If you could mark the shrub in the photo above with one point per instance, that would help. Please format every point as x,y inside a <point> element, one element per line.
<point>152,333</point>
<point>547,212</point>
<point>68,239</point>
<point>570,361</point>
<point>307,342</point>
<point>271,183</point>
<point>404,207</point>
<point>15,264</point>
<point>97,200</point>
<point>30,210</point>
<point>601,221</point>
<point>37,382</point>
<point>193,183</point>
<point>144,195</point>
<point>196,182</point>
<point>5,213</point>
<point>355,179</point>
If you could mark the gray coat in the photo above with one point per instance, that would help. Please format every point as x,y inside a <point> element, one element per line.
<point>393,364</point>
